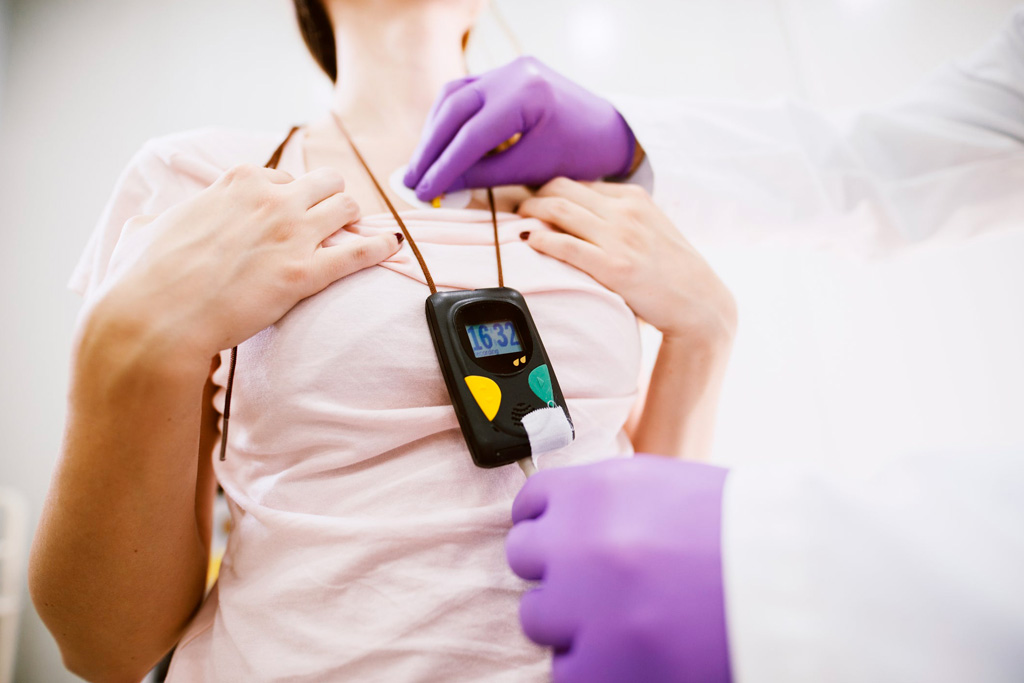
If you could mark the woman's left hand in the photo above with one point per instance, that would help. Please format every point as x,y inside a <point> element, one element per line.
<point>616,234</point>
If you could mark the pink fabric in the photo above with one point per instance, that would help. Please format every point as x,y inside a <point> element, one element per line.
<point>366,546</point>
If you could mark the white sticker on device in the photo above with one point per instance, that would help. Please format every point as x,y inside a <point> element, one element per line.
<point>548,430</point>
<point>454,200</point>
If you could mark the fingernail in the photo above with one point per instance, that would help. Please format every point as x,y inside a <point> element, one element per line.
<point>524,235</point>
<point>400,237</point>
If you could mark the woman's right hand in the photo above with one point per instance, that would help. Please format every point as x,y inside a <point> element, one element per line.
<point>216,269</point>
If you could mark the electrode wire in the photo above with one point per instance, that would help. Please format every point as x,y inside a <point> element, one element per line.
<point>272,163</point>
<point>497,244</point>
<point>401,224</point>
<point>391,207</point>
<point>274,160</point>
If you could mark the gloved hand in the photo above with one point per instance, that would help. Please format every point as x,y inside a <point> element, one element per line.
<point>628,553</point>
<point>566,131</point>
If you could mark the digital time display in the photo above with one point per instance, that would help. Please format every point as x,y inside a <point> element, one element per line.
<point>494,338</point>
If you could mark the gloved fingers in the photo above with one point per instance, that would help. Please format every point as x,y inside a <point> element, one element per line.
<point>514,166</point>
<point>524,550</point>
<point>532,499</point>
<point>482,133</point>
<point>447,90</point>
<point>567,667</point>
<point>543,621</point>
<point>453,114</point>
<point>418,165</point>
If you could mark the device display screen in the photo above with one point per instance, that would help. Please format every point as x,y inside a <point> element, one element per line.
<point>494,338</point>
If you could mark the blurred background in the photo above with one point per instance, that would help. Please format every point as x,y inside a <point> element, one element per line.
<point>841,360</point>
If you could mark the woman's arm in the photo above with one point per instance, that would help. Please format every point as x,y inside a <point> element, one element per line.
<point>119,563</point>
<point>676,413</point>
<point>619,237</point>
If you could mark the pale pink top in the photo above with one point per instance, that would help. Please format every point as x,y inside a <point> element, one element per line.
<point>366,546</point>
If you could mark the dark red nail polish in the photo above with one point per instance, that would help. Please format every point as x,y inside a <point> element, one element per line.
<point>524,235</point>
<point>400,237</point>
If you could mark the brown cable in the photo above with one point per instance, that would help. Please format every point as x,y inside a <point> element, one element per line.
<point>401,224</point>
<point>274,160</point>
<point>497,245</point>
<point>272,163</point>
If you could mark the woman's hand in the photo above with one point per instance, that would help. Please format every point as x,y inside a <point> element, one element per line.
<point>617,235</point>
<point>122,542</point>
<point>219,267</point>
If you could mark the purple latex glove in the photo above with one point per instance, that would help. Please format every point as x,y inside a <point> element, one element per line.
<point>628,553</point>
<point>566,131</point>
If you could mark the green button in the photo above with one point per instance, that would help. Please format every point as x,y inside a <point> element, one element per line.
<point>540,382</point>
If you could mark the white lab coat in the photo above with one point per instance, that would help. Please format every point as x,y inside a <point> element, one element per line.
<point>916,574</point>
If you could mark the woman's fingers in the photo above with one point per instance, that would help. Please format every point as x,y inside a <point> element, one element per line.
<point>332,214</point>
<point>333,263</point>
<point>579,193</point>
<point>572,250</point>
<point>277,176</point>
<point>318,185</point>
<point>566,215</point>
<point>618,190</point>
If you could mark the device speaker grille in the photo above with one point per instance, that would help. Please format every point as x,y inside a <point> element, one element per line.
<point>519,411</point>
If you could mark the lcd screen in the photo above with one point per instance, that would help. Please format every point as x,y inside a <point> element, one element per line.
<point>494,338</point>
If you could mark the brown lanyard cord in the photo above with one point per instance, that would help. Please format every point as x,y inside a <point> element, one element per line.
<point>274,160</point>
<point>272,163</point>
<point>401,224</point>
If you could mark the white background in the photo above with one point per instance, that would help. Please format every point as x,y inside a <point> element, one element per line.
<point>839,361</point>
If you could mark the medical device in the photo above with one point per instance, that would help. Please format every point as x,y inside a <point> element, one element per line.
<point>497,372</point>
<point>499,377</point>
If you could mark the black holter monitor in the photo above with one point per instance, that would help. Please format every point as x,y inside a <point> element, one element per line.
<point>495,368</point>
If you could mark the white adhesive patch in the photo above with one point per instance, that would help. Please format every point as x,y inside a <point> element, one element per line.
<point>455,200</point>
<point>548,430</point>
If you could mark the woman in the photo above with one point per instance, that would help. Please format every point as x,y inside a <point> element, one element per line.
<point>365,545</point>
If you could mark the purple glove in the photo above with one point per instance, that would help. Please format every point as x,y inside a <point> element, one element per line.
<point>628,553</point>
<point>566,131</point>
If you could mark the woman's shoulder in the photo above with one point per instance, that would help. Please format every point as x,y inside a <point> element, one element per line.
<point>201,155</point>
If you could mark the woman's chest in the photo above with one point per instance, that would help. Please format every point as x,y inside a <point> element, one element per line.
<point>364,341</point>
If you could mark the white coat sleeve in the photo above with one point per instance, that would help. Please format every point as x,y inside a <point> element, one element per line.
<point>946,159</point>
<point>914,575</point>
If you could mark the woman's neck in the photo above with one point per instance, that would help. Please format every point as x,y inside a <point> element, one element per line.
<point>393,58</point>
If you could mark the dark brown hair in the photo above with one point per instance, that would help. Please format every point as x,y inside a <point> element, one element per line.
<point>319,35</point>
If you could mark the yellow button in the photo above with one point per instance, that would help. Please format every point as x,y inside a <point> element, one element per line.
<point>486,393</point>
<point>436,203</point>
